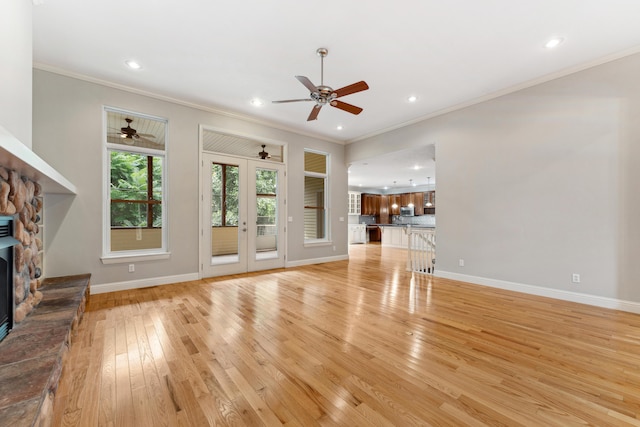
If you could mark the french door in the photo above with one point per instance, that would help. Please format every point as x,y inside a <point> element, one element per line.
<point>243,215</point>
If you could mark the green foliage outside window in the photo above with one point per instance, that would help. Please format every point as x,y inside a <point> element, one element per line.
<point>224,195</point>
<point>130,182</point>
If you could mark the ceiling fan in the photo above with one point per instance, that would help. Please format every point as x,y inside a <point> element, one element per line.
<point>323,95</point>
<point>130,133</point>
<point>263,154</point>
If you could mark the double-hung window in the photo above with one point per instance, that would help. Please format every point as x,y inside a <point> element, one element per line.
<point>135,186</point>
<point>316,185</point>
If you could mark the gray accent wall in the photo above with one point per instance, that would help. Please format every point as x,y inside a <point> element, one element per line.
<point>539,184</point>
<point>68,133</point>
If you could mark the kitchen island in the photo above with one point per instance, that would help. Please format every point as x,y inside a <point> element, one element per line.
<point>396,235</point>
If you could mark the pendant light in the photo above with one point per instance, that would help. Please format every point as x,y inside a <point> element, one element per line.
<point>428,204</point>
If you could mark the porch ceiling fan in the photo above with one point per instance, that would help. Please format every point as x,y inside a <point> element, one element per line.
<point>323,95</point>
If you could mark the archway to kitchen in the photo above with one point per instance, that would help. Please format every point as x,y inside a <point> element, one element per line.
<point>390,191</point>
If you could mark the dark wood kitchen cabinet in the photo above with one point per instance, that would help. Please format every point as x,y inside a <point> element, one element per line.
<point>385,208</point>
<point>418,202</point>
<point>370,204</point>
<point>430,196</point>
<point>394,204</point>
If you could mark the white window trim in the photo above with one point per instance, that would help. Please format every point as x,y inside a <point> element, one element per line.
<point>116,257</point>
<point>326,241</point>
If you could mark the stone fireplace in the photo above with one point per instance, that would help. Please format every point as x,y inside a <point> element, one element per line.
<point>21,253</point>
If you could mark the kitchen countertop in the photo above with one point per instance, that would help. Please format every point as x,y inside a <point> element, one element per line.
<point>405,225</point>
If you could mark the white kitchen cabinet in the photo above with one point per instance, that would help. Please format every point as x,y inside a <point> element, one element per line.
<point>357,233</point>
<point>394,236</point>
<point>354,203</point>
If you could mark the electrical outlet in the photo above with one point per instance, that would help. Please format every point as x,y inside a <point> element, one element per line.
<point>461,262</point>
<point>132,268</point>
<point>575,278</point>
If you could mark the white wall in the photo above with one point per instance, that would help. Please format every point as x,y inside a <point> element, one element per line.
<point>15,68</point>
<point>68,135</point>
<point>539,184</point>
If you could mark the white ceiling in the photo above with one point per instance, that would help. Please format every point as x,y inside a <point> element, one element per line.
<point>222,54</point>
<point>399,171</point>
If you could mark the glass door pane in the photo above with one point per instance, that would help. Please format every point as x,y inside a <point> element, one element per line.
<point>266,214</point>
<point>224,213</point>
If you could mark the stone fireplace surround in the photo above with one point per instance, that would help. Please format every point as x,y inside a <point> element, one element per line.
<point>33,354</point>
<point>22,197</point>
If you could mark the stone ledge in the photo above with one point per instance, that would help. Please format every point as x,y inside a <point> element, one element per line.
<point>32,355</point>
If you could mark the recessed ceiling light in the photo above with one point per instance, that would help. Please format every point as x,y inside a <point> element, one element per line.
<point>339,127</point>
<point>412,98</point>
<point>257,102</point>
<point>133,64</point>
<point>554,42</point>
<point>416,167</point>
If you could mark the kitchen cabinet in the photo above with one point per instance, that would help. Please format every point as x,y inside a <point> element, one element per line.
<point>370,204</point>
<point>383,217</point>
<point>394,200</point>
<point>430,196</point>
<point>394,237</point>
<point>405,199</point>
<point>357,233</point>
<point>354,203</point>
<point>418,202</point>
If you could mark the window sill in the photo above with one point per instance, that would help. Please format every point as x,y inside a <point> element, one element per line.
<point>317,243</point>
<point>121,259</point>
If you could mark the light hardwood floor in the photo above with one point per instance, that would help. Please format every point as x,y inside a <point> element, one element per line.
<point>352,343</point>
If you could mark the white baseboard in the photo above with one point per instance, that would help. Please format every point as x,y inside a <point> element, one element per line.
<point>142,283</point>
<point>316,260</point>
<point>598,301</point>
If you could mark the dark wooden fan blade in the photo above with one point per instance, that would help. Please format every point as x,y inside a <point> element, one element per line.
<point>348,90</point>
<point>346,107</point>
<point>291,100</point>
<point>314,112</point>
<point>307,83</point>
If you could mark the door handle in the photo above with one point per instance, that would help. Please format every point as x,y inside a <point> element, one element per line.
<point>244,229</point>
